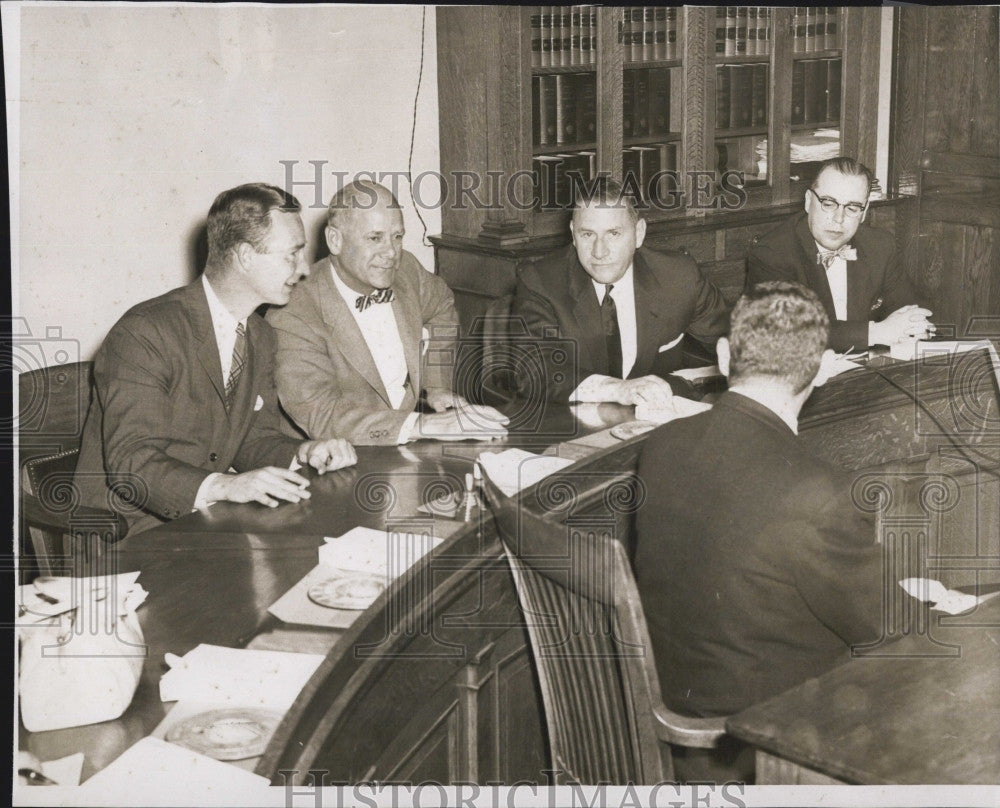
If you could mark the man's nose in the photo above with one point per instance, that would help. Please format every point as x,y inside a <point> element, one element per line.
<point>600,248</point>
<point>839,214</point>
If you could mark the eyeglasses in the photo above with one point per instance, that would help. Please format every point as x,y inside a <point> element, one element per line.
<point>830,205</point>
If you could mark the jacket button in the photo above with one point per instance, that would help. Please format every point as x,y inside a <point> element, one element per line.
<point>213,457</point>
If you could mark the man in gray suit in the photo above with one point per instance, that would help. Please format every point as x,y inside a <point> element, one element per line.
<point>184,383</point>
<point>353,355</point>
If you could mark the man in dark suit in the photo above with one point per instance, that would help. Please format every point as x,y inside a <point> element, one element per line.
<point>184,383</point>
<point>625,308</point>
<point>851,266</point>
<point>368,332</point>
<point>755,569</point>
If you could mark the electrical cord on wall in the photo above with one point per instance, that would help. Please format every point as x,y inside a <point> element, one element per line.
<point>413,130</point>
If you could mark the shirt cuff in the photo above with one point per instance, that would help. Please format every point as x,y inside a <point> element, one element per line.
<point>200,500</point>
<point>406,431</point>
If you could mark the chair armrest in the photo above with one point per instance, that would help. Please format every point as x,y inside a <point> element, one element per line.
<point>682,730</point>
<point>35,514</point>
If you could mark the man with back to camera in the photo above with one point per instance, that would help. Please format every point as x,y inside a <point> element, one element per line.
<point>755,569</point>
<point>625,307</point>
<point>184,383</point>
<point>851,266</point>
<point>350,359</point>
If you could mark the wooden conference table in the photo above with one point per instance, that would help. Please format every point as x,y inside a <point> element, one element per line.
<point>434,682</point>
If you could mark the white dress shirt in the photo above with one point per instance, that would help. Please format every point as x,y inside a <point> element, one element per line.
<point>381,334</point>
<point>624,296</point>
<point>836,277</point>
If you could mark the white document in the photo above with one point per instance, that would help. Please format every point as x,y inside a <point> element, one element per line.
<point>237,677</point>
<point>515,469</point>
<point>379,552</point>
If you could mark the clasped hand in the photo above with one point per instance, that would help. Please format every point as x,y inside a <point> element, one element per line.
<point>908,322</point>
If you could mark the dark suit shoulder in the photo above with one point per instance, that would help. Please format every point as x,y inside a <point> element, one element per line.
<point>672,263</point>
<point>550,271</point>
<point>169,310</point>
<point>778,237</point>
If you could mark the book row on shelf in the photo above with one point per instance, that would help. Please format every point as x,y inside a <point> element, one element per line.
<point>564,106</point>
<point>742,31</point>
<point>563,35</point>
<point>814,28</point>
<point>649,34</point>
<point>741,96</point>
<point>646,170</point>
<point>815,91</point>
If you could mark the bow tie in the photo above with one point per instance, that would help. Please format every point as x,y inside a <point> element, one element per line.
<point>826,257</point>
<point>378,296</point>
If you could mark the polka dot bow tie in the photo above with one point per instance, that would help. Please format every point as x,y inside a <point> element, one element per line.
<point>826,257</point>
<point>378,296</point>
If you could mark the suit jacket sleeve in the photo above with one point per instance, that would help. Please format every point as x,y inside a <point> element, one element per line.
<point>838,569</point>
<point>538,374</point>
<point>440,319</point>
<point>265,444</point>
<point>132,378</point>
<point>711,314</point>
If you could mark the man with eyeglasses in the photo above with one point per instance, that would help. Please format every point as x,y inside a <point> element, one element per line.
<point>851,266</point>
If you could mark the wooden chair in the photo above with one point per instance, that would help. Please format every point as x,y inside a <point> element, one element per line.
<point>605,717</point>
<point>58,535</point>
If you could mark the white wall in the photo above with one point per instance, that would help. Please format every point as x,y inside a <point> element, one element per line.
<point>132,119</point>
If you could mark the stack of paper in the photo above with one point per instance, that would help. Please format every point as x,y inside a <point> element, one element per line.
<point>515,469</point>
<point>237,677</point>
<point>379,552</point>
<point>949,601</point>
<point>154,772</point>
<point>677,407</point>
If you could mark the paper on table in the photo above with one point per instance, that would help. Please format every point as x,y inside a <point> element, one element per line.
<point>49,596</point>
<point>379,552</point>
<point>935,349</point>
<point>945,600</point>
<point>515,469</point>
<point>677,407</point>
<point>155,772</point>
<point>237,677</point>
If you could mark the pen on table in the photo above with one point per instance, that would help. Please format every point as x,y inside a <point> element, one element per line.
<point>468,496</point>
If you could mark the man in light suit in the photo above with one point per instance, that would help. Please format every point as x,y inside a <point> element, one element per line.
<point>368,331</point>
<point>625,308</point>
<point>851,266</point>
<point>755,568</point>
<point>184,383</point>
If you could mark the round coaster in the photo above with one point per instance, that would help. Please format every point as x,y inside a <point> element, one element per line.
<point>354,591</point>
<point>234,733</point>
<point>632,428</point>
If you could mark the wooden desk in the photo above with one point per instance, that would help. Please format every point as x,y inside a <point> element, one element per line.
<point>919,714</point>
<point>211,577</point>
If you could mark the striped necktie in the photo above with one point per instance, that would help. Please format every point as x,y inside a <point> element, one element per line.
<point>378,296</point>
<point>239,361</point>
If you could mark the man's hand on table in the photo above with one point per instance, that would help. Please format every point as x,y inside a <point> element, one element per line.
<point>650,390</point>
<point>908,322</point>
<point>265,485</point>
<point>461,421</point>
<point>326,455</point>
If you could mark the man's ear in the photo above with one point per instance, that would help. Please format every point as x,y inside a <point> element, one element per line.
<point>640,232</point>
<point>722,352</point>
<point>825,371</point>
<point>334,239</point>
<point>243,254</point>
<point>806,200</point>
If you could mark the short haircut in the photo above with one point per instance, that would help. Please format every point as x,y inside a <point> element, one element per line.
<point>606,192</point>
<point>847,166</point>
<point>357,195</point>
<point>243,214</point>
<point>777,330</point>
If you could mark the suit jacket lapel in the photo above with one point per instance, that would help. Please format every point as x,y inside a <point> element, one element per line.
<point>858,297</point>
<point>349,340</point>
<point>406,310</point>
<point>587,311</point>
<point>815,274</point>
<point>648,293</point>
<point>207,350</point>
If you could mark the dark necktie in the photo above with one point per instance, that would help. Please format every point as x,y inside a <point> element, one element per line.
<point>239,361</point>
<point>612,336</point>
<point>378,296</point>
